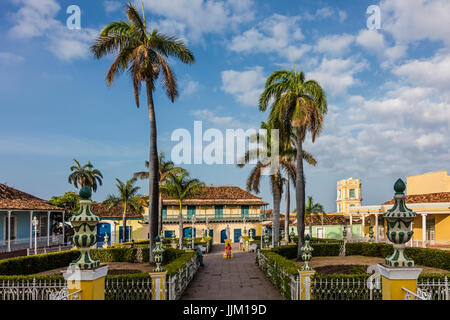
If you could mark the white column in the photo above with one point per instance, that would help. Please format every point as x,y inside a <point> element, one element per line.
<point>363,225</point>
<point>48,228</point>
<point>424,230</point>
<point>63,229</point>
<point>31,229</point>
<point>9,231</point>
<point>351,226</point>
<point>376,228</point>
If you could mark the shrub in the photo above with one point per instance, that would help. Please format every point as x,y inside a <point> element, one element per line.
<point>176,264</point>
<point>426,257</point>
<point>320,250</point>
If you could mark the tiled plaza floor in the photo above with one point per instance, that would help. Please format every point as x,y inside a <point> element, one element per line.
<point>238,278</point>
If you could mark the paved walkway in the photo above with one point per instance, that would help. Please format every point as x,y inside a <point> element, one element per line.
<point>238,278</point>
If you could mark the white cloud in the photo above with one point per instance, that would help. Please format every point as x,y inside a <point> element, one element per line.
<point>112,5</point>
<point>319,14</point>
<point>195,18</point>
<point>245,86</point>
<point>334,45</point>
<point>217,120</point>
<point>276,34</point>
<point>36,18</point>
<point>337,75</point>
<point>374,42</point>
<point>433,72</point>
<point>190,87</point>
<point>8,58</point>
<point>414,20</point>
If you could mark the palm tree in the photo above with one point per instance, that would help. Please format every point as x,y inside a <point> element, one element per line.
<point>180,187</point>
<point>85,175</point>
<point>128,196</point>
<point>311,208</point>
<point>276,178</point>
<point>300,104</point>
<point>166,169</point>
<point>143,54</point>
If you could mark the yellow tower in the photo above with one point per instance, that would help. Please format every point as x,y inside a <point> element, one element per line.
<point>348,194</point>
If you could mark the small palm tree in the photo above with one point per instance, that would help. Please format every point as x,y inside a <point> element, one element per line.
<point>127,197</point>
<point>143,55</point>
<point>276,178</point>
<point>85,175</point>
<point>181,187</point>
<point>312,208</point>
<point>166,169</point>
<point>295,103</point>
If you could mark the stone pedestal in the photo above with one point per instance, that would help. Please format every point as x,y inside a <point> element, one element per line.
<point>158,285</point>
<point>305,278</point>
<point>393,279</point>
<point>91,282</point>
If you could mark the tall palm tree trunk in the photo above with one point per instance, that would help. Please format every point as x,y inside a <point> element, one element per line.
<point>160,214</point>
<point>153,174</point>
<point>300,193</point>
<point>124,222</point>
<point>180,227</point>
<point>276,214</point>
<point>288,208</point>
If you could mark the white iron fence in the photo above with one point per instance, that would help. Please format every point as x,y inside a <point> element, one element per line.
<point>346,288</point>
<point>177,283</point>
<point>287,283</point>
<point>24,243</point>
<point>33,289</point>
<point>436,289</point>
<point>128,289</point>
<point>48,250</point>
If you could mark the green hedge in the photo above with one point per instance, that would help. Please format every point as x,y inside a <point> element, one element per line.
<point>320,250</point>
<point>49,261</point>
<point>179,262</point>
<point>426,257</point>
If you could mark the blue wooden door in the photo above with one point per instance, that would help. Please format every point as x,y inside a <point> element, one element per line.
<point>223,236</point>
<point>102,230</point>
<point>244,211</point>
<point>218,212</point>
<point>237,234</point>
<point>127,234</point>
<point>188,231</point>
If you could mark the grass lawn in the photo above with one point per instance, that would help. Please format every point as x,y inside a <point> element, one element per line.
<point>320,262</point>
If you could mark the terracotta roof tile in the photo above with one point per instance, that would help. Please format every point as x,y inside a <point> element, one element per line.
<point>220,195</point>
<point>13,199</point>
<point>116,212</point>
<point>425,198</point>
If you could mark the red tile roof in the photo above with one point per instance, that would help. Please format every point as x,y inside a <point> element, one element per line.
<point>13,199</point>
<point>220,195</point>
<point>425,198</point>
<point>116,212</point>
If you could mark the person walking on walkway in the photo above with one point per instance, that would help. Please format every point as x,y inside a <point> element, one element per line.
<point>228,250</point>
<point>200,255</point>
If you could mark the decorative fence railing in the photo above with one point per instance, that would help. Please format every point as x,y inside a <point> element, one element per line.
<point>48,250</point>
<point>65,295</point>
<point>128,289</point>
<point>32,289</point>
<point>420,295</point>
<point>436,289</point>
<point>177,283</point>
<point>346,289</point>
<point>288,284</point>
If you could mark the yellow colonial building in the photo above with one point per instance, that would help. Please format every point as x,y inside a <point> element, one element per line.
<point>348,194</point>
<point>218,209</point>
<point>429,196</point>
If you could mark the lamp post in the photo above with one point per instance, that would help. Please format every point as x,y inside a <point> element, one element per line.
<point>245,226</point>
<point>261,216</point>
<point>207,227</point>
<point>35,225</point>
<point>193,230</point>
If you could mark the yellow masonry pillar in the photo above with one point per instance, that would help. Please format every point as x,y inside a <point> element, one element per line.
<point>394,279</point>
<point>90,284</point>
<point>305,284</point>
<point>158,285</point>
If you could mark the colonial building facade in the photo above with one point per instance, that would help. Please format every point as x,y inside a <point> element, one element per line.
<point>217,209</point>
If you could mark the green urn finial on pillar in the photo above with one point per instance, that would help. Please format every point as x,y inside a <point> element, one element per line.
<point>399,219</point>
<point>307,250</point>
<point>85,226</point>
<point>158,255</point>
<point>292,236</point>
<point>371,233</point>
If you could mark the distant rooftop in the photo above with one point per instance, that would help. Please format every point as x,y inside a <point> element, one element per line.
<point>13,199</point>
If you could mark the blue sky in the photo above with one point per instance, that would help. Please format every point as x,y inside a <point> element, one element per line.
<point>387,89</point>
